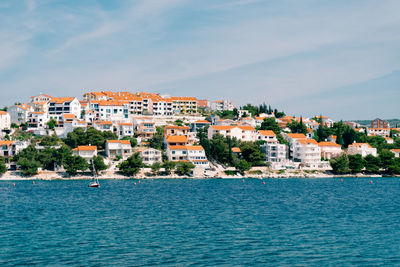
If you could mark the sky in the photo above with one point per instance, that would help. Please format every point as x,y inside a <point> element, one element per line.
<point>336,58</point>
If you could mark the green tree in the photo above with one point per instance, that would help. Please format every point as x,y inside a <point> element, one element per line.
<point>74,164</point>
<point>251,152</point>
<point>270,124</point>
<point>279,115</point>
<point>184,168</point>
<point>372,164</point>
<point>356,163</point>
<point>157,142</point>
<point>297,127</point>
<point>242,166</point>
<point>131,166</point>
<point>155,168</point>
<point>340,165</point>
<point>3,166</point>
<point>168,166</point>
<point>132,140</point>
<point>386,158</point>
<point>51,124</point>
<point>49,140</point>
<point>99,164</point>
<point>28,167</point>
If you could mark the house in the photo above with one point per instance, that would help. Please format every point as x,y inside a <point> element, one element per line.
<point>176,130</point>
<point>37,119</point>
<point>222,105</point>
<point>41,98</point>
<point>124,129</point>
<point>203,103</point>
<point>308,153</point>
<point>58,106</point>
<point>145,130</point>
<point>11,148</point>
<point>193,154</point>
<point>5,121</point>
<point>275,152</point>
<point>378,123</point>
<point>247,121</point>
<point>19,113</point>
<point>149,155</point>
<point>176,140</point>
<point>330,150</point>
<point>396,152</point>
<point>121,148</point>
<point>184,105</point>
<point>113,110</point>
<point>226,122</point>
<point>352,124</point>
<point>243,133</point>
<point>162,107</point>
<point>103,126</point>
<point>199,124</point>
<point>384,132</point>
<point>389,140</point>
<point>363,149</point>
<point>197,156</point>
<point>292,137</point>
<point>86,152</point>
<point>267,136</point>
<point>236,150</point>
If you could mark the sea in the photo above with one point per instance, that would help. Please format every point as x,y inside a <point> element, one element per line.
<point>201,222</point>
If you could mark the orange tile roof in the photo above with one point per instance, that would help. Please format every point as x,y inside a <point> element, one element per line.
<point>125,124</point>
<point>220,127</point>
<point>296,136</point>
<point>176,127</point>
<point>236,150</point>
<point>202,121</point>
<point>85,148</point>
<point>125,142</point>
<point>2,112</point>
<point>395,150</point>
<point>266,132</point>
<point>37,112</point>
<point>176,139</point>
<point>69,116</point>
<point>194,148</point>
<point>307,141</point>
<point>103,122</point>
<point>329,144</point>
<point>177,147</point>
<point>60,100</point>
<point>183,98</point>
<point>6,143</point>
<point>359,145</point>
<point>246,128</point>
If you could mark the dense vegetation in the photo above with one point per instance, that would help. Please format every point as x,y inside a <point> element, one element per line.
<point>89,136</point>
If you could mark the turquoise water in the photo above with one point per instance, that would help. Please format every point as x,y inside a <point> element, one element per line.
<point>201,222</point>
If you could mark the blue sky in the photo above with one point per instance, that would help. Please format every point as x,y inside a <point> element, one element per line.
<point>337,58</point>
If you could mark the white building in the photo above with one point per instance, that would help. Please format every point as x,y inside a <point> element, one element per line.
<point>275,152</point>
<point>124,130</point>
<point>267,136</point>
<point>58,106</point>
<point>19,113</point>
<point>221,105</point>
<point>11,148</point>
<point>194,154</point>
<point>363,149</point>
<point>37,119</point>
<point>5,121</point>
<point>103,126</point>
<point>162,107</point>
<point>120,148</point>
<point>308,153</point>
<point>330,150</point>
<point>150,155</point>
<point>384,132</point>
<point>243,133</point>
<point>86,152</point>
<point>116,111</point>
<point>41,98</point>
<point>396,152</point>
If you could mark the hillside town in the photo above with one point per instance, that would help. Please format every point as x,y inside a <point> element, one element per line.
<point>151,135</point>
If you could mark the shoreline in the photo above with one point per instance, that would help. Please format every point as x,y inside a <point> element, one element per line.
<point>54,176</point>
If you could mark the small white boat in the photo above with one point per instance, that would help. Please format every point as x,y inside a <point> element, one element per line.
<point>95,181</point>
